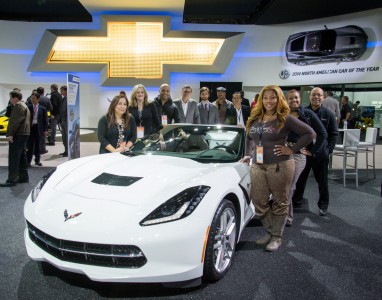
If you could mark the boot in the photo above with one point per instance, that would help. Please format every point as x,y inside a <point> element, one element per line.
<point>267,223</point>
<point>278,224</point>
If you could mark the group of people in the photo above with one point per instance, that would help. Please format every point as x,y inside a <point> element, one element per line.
<point>28,128</point>
<point>285,141</point>
<point>135,117</point>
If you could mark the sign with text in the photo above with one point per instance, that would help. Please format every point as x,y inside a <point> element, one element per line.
<point>73,83</point>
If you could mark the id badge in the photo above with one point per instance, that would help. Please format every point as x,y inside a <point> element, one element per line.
<point>140,132</point>
<point>164,120</point>
<point>259,154</point>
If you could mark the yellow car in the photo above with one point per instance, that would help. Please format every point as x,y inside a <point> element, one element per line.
<point>3,122</point>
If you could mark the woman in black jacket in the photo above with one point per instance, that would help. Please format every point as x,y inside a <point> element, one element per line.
<point>117,131</point>
<point>145,114</point>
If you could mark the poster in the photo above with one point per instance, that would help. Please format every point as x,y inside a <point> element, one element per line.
<point>73,83</point>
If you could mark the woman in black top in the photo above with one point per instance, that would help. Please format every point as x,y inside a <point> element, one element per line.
<point>145,114</point>
<point>117,130</point>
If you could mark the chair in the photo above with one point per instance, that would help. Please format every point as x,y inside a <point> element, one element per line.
<point>368,146</point>
<point>349,149</point>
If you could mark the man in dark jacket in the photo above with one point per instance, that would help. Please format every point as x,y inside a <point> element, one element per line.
<point>320,159</point>
<point>64,119</point>
<point>56,101</point>
<point>166,109</point>
<point>45,102</point>
<point>17,134</point>
<point>237,114</point>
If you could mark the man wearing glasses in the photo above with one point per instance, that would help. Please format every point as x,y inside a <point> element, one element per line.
<point>188,108</point>
<point>319,161</point>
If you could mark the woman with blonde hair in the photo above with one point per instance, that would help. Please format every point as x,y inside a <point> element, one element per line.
<point>272,161</point>
<point>117,130</point>
<point>144,112</point>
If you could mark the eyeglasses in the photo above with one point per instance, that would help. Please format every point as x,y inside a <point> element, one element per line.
<point>316,95</point>
<point>187,92</point>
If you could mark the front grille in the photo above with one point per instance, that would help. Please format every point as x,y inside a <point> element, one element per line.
<point>119,256</point>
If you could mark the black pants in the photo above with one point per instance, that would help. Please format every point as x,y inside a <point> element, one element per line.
<point>17,159</point>
<point>64,132</point>
<point>34,145</point>
<point>320,172</point>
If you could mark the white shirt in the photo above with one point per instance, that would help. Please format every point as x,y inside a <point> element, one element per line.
<point>239,117</point>
<point>185,107</point>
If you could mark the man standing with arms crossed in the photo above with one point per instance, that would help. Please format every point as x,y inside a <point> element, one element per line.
<point>319,161</point>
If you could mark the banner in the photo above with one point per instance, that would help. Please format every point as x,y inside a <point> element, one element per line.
<point>73,83</point>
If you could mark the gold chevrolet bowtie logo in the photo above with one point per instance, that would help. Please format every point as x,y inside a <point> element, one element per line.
<point>136,49</point>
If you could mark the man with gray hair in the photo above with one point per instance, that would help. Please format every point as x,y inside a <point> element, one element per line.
<point>332,104</point>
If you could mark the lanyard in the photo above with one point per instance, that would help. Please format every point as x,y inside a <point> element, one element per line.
<point>238,114</point>
<point>262,127</point>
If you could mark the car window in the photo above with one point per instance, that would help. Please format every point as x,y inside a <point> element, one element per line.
<point>204,143</point>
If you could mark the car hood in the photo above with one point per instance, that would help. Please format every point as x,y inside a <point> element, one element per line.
<point>131,180</point>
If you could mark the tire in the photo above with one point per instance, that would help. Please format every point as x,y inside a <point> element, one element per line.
<point>221,242</point>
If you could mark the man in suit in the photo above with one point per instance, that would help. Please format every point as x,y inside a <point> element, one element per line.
<point>64,119</point>
<point>188,108</point>
<point>208,112</point>
<point>45,102</point>
<point>39,128</point>
<point>56,101</point>
<point>238,114</point>
<point>17,134</point>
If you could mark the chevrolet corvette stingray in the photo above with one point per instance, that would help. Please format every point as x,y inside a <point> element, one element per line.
<point>342,44</point>
<point>170,210</point>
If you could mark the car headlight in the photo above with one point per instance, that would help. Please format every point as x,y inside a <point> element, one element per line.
<point>40,184</point>
<point>178,207</point>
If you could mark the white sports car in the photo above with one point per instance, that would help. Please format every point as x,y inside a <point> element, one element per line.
<point>171,210</point>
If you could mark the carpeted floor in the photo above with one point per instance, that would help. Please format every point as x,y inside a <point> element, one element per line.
<point>334,257</point>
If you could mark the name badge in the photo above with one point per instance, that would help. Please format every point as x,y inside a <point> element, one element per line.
<point>259,154</point>
<point>164,120</point>
<point>140,132</point>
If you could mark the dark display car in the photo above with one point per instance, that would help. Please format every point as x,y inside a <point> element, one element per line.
<point>344,44</point>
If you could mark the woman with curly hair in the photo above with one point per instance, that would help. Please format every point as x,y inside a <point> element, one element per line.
<point>272,161</point>
<point>145,113</point>
<point>117,131</point>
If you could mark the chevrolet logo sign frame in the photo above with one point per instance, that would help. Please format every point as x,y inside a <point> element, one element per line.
<point>109,52</point>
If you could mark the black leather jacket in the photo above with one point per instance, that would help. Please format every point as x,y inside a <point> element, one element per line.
<point>169,109</point>
<point>328,119</point>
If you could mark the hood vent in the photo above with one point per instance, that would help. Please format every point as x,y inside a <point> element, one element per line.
<point>115,180</point>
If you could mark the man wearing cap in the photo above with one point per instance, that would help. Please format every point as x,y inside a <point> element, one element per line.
<point>222,104</point>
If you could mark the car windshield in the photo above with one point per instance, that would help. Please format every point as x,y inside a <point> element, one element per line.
<point>321,41</point>
<point>203,143</point>
<point>2,113</point>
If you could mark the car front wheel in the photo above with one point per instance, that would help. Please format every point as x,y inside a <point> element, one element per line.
<point>221,242</point>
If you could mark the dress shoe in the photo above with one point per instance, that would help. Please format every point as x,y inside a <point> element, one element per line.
<point>51,144</point>
<point>64,154</point>
<point>8,184</point>
<point>44,151</point>
<point>289,222</point>
<point>25,180</point>
<point>38,164</point>
<point>322,212</point>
